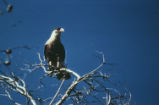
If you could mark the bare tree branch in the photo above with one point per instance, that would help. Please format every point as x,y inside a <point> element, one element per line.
<point>9,96</point>
<point>88,85</point>
<point>78,80</point>
<point>57,92</point>
<point>17,86</point>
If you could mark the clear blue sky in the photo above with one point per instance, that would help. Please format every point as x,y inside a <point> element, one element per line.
<point>127,31</point>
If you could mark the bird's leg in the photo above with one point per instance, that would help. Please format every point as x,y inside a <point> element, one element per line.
<point>59,74</point>
<point>58,63</point>
<point>50,68</point>
<point>50,65</point>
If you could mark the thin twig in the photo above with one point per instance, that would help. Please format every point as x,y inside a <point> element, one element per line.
<point>68,91</point>
<point>57,92</point>
<point>9,96</point>
<point>18,87</point>
<point>78,80</point>
<point>42,65</point>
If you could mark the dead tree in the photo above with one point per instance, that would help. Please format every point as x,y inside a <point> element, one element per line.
<point>90,88</point>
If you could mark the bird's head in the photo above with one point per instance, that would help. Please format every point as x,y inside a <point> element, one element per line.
<point>58,30</point>
<point>56,33</point>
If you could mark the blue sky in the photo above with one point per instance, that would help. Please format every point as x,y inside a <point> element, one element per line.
<point>127,31</point>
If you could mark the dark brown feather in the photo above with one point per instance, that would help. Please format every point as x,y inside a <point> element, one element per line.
<point>55,53</point>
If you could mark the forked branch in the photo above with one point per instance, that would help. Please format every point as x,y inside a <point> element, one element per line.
<point>78,80</point>
<point>17,86</point>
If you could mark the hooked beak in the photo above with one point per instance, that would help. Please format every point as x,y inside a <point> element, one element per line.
<point>62,30</point>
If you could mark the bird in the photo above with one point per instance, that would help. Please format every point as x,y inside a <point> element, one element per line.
<point>54,53</point>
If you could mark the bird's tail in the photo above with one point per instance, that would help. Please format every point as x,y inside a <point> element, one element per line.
<point>61,74</point>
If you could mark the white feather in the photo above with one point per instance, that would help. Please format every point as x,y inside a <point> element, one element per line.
<point>52,37</point>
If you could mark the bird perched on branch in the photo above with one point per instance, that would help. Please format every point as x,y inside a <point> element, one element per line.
<point>55,54</point>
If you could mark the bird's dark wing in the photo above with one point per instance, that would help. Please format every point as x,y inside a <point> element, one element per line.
<point>61,52</point>
<point>46,52</point>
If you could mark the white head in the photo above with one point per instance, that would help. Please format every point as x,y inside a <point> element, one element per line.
<point>55,35</point>
<point>57,31</point>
